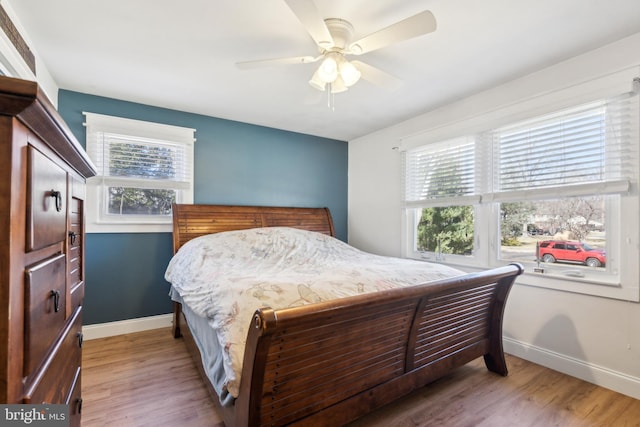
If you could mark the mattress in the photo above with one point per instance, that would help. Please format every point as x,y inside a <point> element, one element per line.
<point>206,339</point>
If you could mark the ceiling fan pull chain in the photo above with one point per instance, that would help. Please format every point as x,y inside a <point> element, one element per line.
<point>331,100</point>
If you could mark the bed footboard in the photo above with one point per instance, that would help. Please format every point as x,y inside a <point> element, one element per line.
<point>332,362</point>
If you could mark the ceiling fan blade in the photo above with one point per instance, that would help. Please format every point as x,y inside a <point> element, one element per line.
<point>377,76</point>
<point>248,65</point>
<point>417,25</point>
<point>307,13</point>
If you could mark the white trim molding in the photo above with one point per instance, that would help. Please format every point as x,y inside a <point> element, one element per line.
<point>141,143</point>
<point>598,375</point>
<point>109,329</point>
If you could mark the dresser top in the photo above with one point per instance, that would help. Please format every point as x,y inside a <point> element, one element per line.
<point>26,101</point>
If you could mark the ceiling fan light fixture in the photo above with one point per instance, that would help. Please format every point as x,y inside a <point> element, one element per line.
<point>328,70</point>
<point>338,85</point>
<point>349,73</point>
<point>316,82</point>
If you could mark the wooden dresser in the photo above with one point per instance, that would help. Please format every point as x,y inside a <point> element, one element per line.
<point>43,170</point>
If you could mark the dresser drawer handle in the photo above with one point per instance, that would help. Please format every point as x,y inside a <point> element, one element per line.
<point>56,300</point>
<point>72,238</point>
<point>79,405</point>
<point>58,196</point>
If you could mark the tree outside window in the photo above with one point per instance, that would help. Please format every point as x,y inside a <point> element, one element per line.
<point>141,161</point>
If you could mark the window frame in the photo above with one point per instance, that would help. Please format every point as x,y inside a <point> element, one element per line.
<point>621,278</point>
<point>98,219</point>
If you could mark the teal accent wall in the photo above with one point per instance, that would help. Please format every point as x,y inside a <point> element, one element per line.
<point>235,163</point>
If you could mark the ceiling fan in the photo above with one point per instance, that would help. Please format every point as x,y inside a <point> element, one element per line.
<point>333,37</point>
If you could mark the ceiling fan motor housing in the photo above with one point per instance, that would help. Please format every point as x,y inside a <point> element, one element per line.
<point>341,31</point>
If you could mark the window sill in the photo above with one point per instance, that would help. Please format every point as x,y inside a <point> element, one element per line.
<point>128,228</point>
<point>603,287</point>
<point>614,289</point>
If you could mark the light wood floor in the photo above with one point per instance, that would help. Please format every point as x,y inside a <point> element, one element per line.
<point>148,379</point>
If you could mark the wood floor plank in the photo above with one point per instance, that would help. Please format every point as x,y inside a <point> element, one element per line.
<point>148,379</point>
<point>143,379</point>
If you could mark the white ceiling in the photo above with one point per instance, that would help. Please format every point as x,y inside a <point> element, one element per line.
<point>181,54</point>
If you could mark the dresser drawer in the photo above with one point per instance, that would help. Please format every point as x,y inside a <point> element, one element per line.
<point>75,261</point>
<point>45,308</point>
<point>54,382</point>
<point>74,400</point>
<point>75,246</point>
<point>77,295</point>
<point>46,201</point>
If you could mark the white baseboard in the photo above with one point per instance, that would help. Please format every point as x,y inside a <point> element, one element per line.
<point>601,376</point>
<point>102,330</point>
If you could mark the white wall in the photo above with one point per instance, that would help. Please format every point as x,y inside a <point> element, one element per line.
<point>593,338</point>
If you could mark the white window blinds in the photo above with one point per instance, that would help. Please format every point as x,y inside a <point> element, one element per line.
<point>583,150</point>
<point>440,172</point>
<point>129,161</point>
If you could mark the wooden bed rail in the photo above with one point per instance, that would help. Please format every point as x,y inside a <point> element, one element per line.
<point>346,357</point>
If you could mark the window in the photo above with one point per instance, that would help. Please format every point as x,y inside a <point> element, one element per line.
<point>442,187</point>
<point>142,168</point>
<point>549,191</point>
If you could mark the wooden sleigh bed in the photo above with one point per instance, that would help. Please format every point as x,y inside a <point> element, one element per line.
<point>329,363</point>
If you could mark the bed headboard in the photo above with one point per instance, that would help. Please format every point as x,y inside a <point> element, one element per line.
<point>190,221</point>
